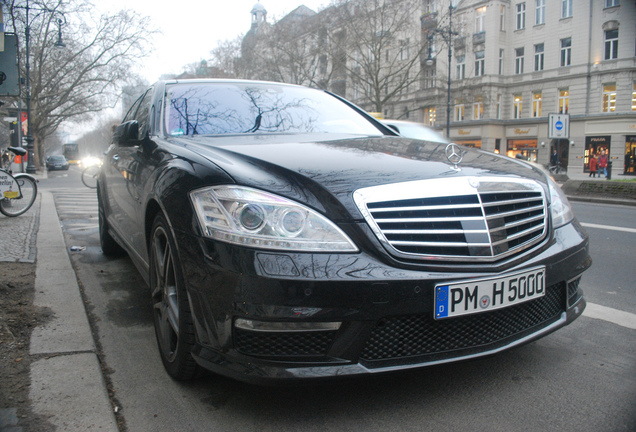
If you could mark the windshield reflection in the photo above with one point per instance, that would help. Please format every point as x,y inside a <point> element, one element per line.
<point>229,108</point>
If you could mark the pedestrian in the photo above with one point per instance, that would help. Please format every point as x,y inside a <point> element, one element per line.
<point>554,160</point>
<point>593,164</point>
<point>602,163</point>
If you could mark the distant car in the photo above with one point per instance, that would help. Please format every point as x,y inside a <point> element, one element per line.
<point>285,234</point>
<point>415,130</point>
<point>56,162</point>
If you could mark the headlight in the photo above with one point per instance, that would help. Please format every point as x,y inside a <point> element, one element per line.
<point>249,217</point>
<point>559,206</point>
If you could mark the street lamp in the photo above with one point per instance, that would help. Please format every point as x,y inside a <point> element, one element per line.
<point>60,22</point>
<point>447,34</point>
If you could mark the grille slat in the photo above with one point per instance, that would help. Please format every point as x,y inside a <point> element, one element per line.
<point>459,219</point>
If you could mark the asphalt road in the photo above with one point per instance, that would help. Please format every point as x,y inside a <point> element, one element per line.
<point>581,378</point>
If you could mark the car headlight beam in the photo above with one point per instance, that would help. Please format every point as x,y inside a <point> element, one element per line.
<point>253,218</point>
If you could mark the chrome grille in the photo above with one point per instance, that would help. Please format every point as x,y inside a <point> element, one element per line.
<point>460,218</point>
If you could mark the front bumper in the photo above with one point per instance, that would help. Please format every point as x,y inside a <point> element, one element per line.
<point>386,311</point>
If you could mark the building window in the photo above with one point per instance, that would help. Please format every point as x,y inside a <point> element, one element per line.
<point>480,63</point>
<point>478,109</point>
<point>501,61</point>
<point>459,111</point>
<point>461,68</point>
<point>634,97</point>
<point>517,105</point>
<point>519,60</point>
<point>521,16</point>
<point>564,101</point>
<point>502,18</point>
<point>430,6</point>
<point>566,52</point>
<point>611,44</point>
<point>538,57</point>
<point>429,78</point>
<point>405,49</point>
<point>612,3</point>
<point>498,106</point>
<point>539,14</point>
<point>566,8</point>
<point>480,18</point>
<point>536,104</point>
<point>429,116</point>
<point>609,97</point>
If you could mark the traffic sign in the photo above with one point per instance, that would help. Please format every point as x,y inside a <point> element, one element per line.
<point>559,126</point>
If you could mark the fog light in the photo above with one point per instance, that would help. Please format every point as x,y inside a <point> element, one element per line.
<point>268,326</point>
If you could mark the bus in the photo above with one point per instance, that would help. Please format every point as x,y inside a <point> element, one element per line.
<point>71,153</point>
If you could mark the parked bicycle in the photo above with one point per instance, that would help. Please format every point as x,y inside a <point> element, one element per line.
<point>17,192</point>
<point>90,173</point>
<point>557,169</point>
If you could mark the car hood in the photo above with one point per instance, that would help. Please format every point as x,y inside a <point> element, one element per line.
<point>324,171</point>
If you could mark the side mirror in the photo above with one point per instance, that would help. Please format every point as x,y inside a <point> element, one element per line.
<point>127,134</point>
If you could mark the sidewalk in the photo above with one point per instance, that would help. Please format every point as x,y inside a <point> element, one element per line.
<point>67,385</point>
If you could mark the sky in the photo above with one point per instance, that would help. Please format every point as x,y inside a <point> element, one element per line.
<point>192,28</point>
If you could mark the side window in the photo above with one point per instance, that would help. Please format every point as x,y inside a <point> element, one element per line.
<point>130,115</point>
<point>143,113</point>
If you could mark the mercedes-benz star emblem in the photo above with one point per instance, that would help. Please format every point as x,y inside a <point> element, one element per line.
<point>453,154</point>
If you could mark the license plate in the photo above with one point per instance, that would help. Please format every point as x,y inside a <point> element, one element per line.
<point>483,295</point>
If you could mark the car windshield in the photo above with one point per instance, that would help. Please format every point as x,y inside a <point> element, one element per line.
<point>57,159</point>
<point>247,108</point>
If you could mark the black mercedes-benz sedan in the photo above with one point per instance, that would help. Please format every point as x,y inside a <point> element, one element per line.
<point>285,234</point>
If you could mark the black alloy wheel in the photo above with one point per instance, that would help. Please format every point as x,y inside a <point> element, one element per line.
<point>172,317</point>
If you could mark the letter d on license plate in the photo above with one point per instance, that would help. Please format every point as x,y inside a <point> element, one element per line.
<point>483,295</point>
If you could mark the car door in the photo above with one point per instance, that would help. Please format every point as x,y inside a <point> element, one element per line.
<point>121,170</point>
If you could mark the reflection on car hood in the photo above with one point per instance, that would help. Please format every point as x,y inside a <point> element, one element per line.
<point>295,165</point>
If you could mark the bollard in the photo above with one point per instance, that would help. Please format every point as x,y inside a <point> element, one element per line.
<point>609,170</point>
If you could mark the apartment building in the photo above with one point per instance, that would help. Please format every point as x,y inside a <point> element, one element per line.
<point>512,64</point>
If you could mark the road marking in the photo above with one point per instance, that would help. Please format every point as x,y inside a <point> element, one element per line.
<point>609,227</point>
<point>623,319</point>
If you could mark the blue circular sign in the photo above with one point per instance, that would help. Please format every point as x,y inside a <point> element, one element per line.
<point>559,125</point>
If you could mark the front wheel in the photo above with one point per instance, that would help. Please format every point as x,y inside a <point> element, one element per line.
<point>174,327</point>
<point>89,176</point>
<point>12,207</point>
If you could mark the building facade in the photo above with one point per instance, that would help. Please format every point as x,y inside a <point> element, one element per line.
<point>512,64</point>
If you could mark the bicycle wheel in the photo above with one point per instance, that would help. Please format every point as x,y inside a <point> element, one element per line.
<point>89,176</point>
<point>28,192</point>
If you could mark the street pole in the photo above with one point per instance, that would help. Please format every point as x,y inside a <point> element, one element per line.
<point>29,137</point>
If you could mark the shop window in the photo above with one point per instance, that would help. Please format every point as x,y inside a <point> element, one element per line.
<point>525,149</point>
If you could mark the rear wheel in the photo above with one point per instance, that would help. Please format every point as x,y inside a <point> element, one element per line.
<point>172,317</point>
<point>28,192</point>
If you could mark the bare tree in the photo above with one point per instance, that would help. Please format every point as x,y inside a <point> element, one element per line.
<point>378,50</point>
<point>86,76</point>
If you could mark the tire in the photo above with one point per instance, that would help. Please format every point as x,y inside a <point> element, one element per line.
<point>89,176</point>
<point>12,207</point>
<point>171,311</point>
<point>109,246</point>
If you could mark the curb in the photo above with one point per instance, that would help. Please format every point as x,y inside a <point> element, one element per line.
<point>67,385</point>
